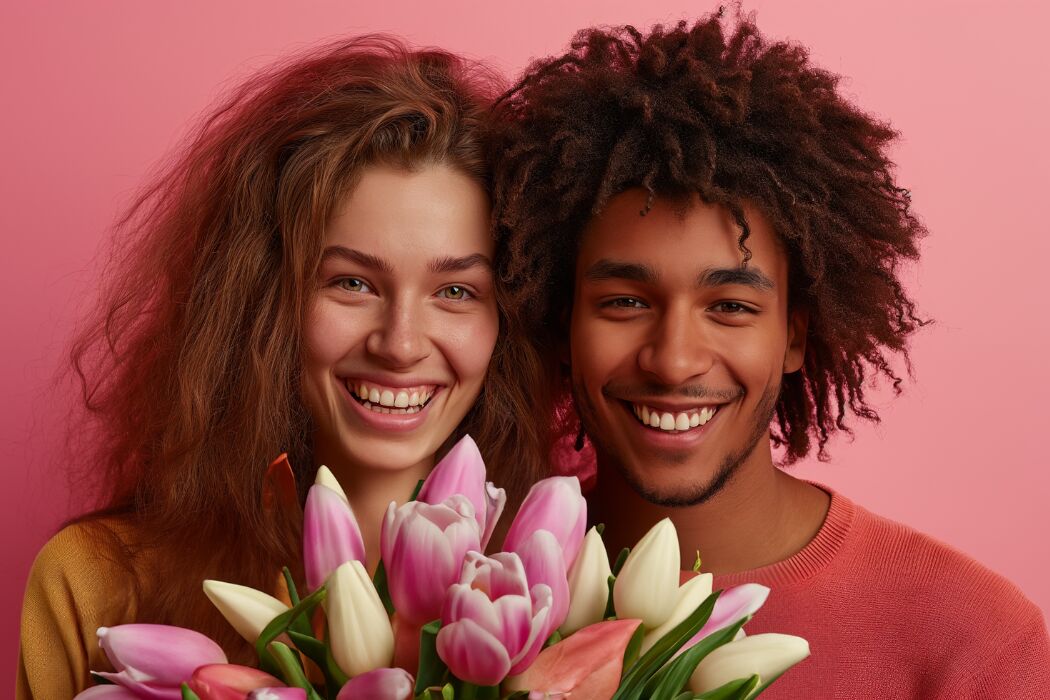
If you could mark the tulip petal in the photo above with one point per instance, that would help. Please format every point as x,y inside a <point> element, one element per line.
<point>142,689</point>
<point>380,684</point>
<point>767,655</point>
<point>647,585</point>
<point>331,534</point>
<point>461,471</point>
<point>734,603</point>
<point>587,664</point>
<point>554,504</point>
<point>277,694</point>
<point>159,654</point>
<point>247,610</point>
<point>472,653</point>
<point>541,555</point>
<point>691,595</point>
<point>588,585</point>
<point>495,502</point>
<point>229,681</point>
<point>106,692</point>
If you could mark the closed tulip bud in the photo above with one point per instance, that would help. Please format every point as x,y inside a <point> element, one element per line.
<point>247,610</point>
<point>462,472</point>
<point>734,603</point>
<point>690,595</point>
<point>229,681</point>
<point>155,660</point>
<point>767,655</point>
<point>380,684</point>
<point>647,586</point>
<point>588,584</point>
<point>326,478</point>
<point>554,504</point>
<point>361,636</point>
<point>331,534</point>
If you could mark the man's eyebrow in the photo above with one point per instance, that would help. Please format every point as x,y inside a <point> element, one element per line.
<point>606,269</point>
<point>720,276</point>
<point>353,255</point>
<point>453,264</point>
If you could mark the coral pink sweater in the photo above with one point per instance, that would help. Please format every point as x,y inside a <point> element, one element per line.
<point>892,613</point>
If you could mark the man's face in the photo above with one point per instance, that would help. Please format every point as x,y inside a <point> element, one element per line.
<point>676,351</point>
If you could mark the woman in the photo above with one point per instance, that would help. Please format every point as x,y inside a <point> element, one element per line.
<point>312,276</point>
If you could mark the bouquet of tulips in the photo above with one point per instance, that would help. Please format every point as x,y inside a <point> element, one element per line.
<point>547,616</point>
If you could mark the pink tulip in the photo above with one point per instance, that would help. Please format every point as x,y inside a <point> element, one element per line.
<point>106,692</point>
<point>380,684</point>
<point>733,604</point>
<point>541,556</point>
<point>423,547</point>
<point>462,471</point>
<point>153,661</point>
<point>554,504</point>
<point>331,535</point>
<point>492,623</point>
<point>229,681</point>
<point>277,694</point>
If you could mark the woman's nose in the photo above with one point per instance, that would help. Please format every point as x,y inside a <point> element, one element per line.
<point>400,341</point>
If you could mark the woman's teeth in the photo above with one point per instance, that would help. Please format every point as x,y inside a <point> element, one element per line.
<point>673,421</point>
<point>387,400</point>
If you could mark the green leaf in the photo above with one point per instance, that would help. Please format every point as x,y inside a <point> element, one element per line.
<point>600,527</point>
<point>320,653</point>
<point>432,670</point>
<point>469,691</point>
<point>447,692</point>
<point>620,559</point>
<point>293,592</point>
<point>634,647</point>
<point>610,606</point>
<point>416,490</point>
<point>188,694</point>
<point>281,624</point>
<point>696,564</point>
<point>740,689</point>
<point>635,678</point>
<point>553,639</point>
<point>669,680</point>
<point>292,669</point>
<point>383,588</point>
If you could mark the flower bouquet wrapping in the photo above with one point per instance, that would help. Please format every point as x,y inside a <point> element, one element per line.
<point>546,616</point>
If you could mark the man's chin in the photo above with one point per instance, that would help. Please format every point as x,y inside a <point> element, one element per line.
<point>672,490</point>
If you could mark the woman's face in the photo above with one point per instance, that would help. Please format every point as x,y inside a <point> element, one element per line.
<point>403,322</point>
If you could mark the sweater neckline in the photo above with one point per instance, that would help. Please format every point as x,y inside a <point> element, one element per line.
<point>812,558</point>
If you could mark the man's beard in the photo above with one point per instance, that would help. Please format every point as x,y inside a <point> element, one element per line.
<point>696,493</point>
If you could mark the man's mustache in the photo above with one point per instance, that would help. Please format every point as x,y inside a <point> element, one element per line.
<point>646,390</point>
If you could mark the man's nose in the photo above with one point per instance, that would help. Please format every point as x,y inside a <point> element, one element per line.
<point>400,340</point>
<point>679,348</point>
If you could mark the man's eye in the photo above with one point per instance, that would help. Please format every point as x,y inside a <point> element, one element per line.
<point>352,284</point>
<point>732,307</point>
<point>455,293</point>
<point>625,303</point>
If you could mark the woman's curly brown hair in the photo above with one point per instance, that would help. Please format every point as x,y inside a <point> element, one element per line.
<point>720,111</point>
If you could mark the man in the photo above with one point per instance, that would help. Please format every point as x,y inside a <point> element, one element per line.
<point>718,232</point>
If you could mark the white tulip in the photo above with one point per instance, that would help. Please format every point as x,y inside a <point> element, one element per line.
<point>690,595</point>
<point>361,636</point>
<point>247,610</point>
<point>647,585</point>
<point>767,655</point>
<point>326,478</point>
<point>588,584</point>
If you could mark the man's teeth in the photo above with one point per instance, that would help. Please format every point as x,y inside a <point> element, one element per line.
<point>676,422</point>
<point>381,399</point>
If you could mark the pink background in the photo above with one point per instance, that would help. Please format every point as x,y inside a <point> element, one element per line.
<point>95,93</point>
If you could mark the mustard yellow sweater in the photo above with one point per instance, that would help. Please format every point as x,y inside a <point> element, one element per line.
<point>73,589</point>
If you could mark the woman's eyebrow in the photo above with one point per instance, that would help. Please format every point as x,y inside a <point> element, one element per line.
<point>453,264</point>
<point>357,256</point>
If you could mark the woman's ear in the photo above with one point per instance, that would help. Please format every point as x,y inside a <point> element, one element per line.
<point>798,326</point>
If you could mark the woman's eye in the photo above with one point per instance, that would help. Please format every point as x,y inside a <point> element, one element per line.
<point>454,292</point>
<point>352,284</point>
